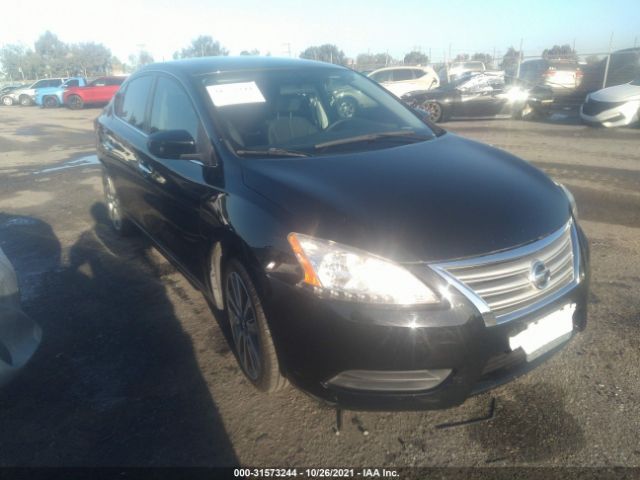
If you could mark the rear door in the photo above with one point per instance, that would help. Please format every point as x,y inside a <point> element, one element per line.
<point>480,97</point>
<point>122,143</point>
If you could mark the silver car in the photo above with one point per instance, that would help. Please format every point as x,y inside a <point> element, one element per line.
<point>26,96</point>
<point>19,335</point>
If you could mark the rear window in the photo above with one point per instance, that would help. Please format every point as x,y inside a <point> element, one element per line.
<point>563,66</point>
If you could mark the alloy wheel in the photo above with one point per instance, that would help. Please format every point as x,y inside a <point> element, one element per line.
<point>346,108</point>
<point>244,326</point>
<point>435,111</point>
<point>113,204</point>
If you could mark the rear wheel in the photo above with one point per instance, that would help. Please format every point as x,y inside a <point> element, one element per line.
<point>119,222</point>
<point>25,100</point>
<point>253,345</point>
<point>50,102</point>
<point>7,101</point>
<point>74,102</point>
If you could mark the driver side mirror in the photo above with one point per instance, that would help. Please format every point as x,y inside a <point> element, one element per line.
<point>174,144</point>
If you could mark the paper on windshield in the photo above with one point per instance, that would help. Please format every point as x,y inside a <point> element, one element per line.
<point>235,94</point>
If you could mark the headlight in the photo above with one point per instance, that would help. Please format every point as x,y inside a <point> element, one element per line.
<point>572,200</point>
<point>347,273</point>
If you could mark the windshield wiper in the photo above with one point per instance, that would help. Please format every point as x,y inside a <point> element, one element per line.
<point>369,137</point>
<point>272,152</point>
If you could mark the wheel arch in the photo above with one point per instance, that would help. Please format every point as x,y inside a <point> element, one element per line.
<point>225,248</point>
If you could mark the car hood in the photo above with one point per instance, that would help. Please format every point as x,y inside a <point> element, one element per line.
<point>619,93</point>
<point>440,199</point>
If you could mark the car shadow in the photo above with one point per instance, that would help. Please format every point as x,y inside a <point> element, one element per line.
<point>115,381</point>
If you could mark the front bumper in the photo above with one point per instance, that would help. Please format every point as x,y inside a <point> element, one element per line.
<point>615,117</point>
<point>318,339</point>
<point>20,337</point>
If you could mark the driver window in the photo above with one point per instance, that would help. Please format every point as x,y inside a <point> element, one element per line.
<point>172,109</point>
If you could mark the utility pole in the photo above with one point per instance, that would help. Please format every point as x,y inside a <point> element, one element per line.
<point>520,56</point>
<point>606,67</point>
<point>288,45</point>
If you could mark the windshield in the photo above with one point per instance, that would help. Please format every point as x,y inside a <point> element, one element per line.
<point>309,112</point>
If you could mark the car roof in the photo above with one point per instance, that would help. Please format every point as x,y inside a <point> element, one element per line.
<point>205,65</point>
<point>402,67</point>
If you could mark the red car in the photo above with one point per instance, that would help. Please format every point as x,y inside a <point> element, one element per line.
<point>99,91</point>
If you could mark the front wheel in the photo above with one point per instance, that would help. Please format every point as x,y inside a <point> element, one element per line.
<point>253,345</point>
<point>74,102</point>
<point>434,109</point>
<point>7,101</point>
<point>25,100</point>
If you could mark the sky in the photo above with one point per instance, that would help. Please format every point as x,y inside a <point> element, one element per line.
<point>287,27</point>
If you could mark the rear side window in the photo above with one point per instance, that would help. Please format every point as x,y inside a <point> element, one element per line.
<point>401,75</point>
<point>380,77</point>
<point>417,73</point>
<point>172,109</point>
<point>131,106</point>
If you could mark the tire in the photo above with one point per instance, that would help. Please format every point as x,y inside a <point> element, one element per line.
<point>120,224</point>
<point>50,102</point>
<point>74,102</point>
<point>7,101</point>
<point>25,100</point>
<point>435,111</point>
<point>252,342</point>
<point>346,107</point>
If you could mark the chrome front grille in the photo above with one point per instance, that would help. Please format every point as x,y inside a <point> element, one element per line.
<point>502,285</point>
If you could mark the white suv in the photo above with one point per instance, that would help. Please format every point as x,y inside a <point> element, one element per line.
<point>402,80</point>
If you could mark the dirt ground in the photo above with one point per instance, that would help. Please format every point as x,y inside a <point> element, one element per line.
<point>134,370</point>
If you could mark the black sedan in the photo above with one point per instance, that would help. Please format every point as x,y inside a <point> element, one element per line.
<point>375,261</point>
<point>476,95</point>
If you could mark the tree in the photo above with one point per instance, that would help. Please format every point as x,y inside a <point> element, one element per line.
<point>461,57</point>
<point>416,58</point>
<point>202,46</point>
<point>252,52</point>
<point>53,54</point>
<point>324,53</point>
<point>484,58</point>
<point>89,59</point>
<point>510,60</point>
<point>564,52</point>
<point>14,59</point>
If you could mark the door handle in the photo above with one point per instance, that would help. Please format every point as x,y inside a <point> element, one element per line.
<point>144,169</point>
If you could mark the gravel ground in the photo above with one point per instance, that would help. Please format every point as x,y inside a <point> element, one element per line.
<point>134,369</point>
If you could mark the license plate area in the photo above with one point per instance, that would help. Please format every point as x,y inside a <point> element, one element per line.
<point>544,334</point>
